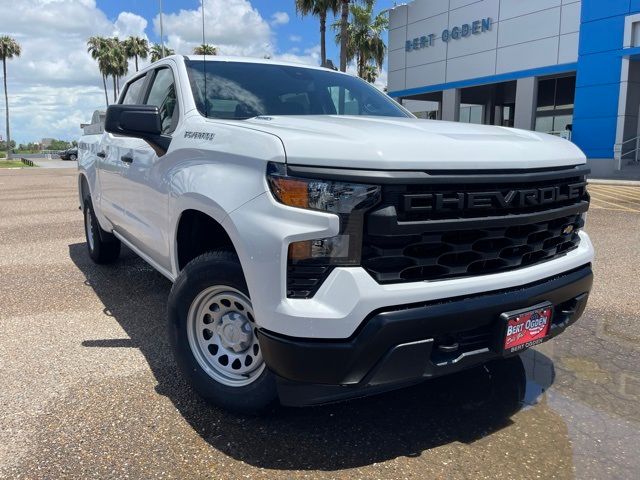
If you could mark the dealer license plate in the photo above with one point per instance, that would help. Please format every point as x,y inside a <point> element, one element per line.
<point>526,328</point>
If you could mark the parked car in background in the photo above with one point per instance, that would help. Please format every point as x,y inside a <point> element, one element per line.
<point>69,154</point>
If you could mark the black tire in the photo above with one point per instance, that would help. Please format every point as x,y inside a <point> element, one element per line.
<point>216,268</point>
<point>104,248</point>
<point>72,157</point>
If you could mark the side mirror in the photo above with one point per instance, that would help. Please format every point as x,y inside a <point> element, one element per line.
<point>138,121</point>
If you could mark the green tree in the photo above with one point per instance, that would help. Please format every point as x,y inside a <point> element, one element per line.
<point>156,52</point>
<point>7,146</point>
<point>320,9</point>
<point>370,73</point>
<point>98,48</point>
<point>59,145</point>
<point>9,49</point>
<point>344,27</point>
<point>136,47</point>
<point>364,42</point>
<point>205,49</point>
<point>118,63</point>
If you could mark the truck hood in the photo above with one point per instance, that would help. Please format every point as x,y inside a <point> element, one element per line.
<point>407,143</point>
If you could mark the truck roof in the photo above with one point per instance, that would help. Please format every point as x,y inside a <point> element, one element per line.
<point>266,61</point>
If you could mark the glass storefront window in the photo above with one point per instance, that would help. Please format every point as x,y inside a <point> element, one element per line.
<point>544,124</point>
<point>546,94</point>
<point>555,103</point>
<point>561,121</point>
<point>565,92</point>
<point>431,115</point>
<point>471,113</point>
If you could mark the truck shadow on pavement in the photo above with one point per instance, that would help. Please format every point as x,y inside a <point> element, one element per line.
<point>460,408</point>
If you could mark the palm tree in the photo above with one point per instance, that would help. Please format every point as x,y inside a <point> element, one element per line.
<point>136,47</point>
<point>97,47</point>
<point>157,53</point>
<point>364,40</point>
<point>117,61</point>
<point>9,49</point>
<point>205,49</point>
<point>319,8</point>
<point>370,73</point>
<point>344,27</point>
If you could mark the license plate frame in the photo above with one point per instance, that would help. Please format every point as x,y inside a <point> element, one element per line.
<point>526,327</point>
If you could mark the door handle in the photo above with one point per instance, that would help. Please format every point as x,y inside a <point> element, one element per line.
<point>126,159</point>
<point>101,154</point>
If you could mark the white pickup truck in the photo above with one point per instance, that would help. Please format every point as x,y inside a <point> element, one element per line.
<point>323,243</point>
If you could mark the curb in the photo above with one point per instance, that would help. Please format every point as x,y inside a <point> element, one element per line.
<point>605,181</point>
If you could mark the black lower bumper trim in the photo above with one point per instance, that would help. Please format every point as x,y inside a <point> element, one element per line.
<point>407,343</point>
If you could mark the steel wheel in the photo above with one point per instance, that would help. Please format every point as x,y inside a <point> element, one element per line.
<point>221,331</point>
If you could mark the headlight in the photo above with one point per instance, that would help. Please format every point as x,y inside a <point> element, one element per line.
<point>347,200</point>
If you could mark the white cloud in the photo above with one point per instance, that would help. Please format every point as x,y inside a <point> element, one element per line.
<point>130,24</point>
<point>54,84</point>
<point>234,26</point>
<point>295,38</point>
<point>279,18</point>
<point>311,56</point>
<point>41,111</point>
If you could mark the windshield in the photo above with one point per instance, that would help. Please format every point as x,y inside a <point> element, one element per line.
<point>236,90</point>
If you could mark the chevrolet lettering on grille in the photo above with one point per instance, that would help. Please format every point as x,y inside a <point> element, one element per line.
<point>531,197</point>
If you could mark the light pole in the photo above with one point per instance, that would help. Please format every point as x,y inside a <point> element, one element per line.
<point>161,30</point>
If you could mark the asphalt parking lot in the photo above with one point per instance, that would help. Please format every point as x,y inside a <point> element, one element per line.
<point>88,386</point>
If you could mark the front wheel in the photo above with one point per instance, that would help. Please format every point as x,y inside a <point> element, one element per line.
<point>213,332</point>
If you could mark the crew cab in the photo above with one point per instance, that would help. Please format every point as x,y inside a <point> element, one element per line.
<point>325,244</point>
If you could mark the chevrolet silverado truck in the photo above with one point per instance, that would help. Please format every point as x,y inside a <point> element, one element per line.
<point>325,244</point>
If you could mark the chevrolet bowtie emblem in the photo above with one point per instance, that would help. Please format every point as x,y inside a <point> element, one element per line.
<point>567,230</point>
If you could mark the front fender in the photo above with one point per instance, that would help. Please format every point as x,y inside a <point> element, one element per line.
<point>191,201</point>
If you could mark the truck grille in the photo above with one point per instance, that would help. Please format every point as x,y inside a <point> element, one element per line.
<point>460,225</point>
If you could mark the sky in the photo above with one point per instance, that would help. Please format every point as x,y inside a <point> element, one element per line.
<point>55,85</point>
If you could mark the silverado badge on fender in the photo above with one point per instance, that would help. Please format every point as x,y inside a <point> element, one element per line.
<point>199,135</point>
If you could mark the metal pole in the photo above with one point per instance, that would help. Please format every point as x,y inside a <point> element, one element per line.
<point>637,147</point>
<point>204,65</point>
<point>161,30</point>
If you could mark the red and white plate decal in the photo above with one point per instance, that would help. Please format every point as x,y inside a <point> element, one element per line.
<point>527,327</point>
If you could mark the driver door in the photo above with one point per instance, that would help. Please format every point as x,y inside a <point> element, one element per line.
<point>147,194</point>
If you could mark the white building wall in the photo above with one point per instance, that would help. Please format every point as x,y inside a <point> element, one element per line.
<point>524,34</point>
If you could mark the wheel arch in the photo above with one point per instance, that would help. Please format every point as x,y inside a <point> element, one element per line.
<point>197,231</point>
<point>84,190</point>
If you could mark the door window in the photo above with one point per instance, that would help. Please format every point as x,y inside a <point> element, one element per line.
<point>132,95</point>
<point>163,95</point>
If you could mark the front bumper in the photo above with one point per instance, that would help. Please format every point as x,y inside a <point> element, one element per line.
<point>408,343</point>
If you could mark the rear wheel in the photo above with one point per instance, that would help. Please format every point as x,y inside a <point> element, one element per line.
<point>73,157</point>
<point>102,246</point>
<point>213,332</point>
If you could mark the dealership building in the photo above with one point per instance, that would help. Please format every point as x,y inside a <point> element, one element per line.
<point>566,67</point>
